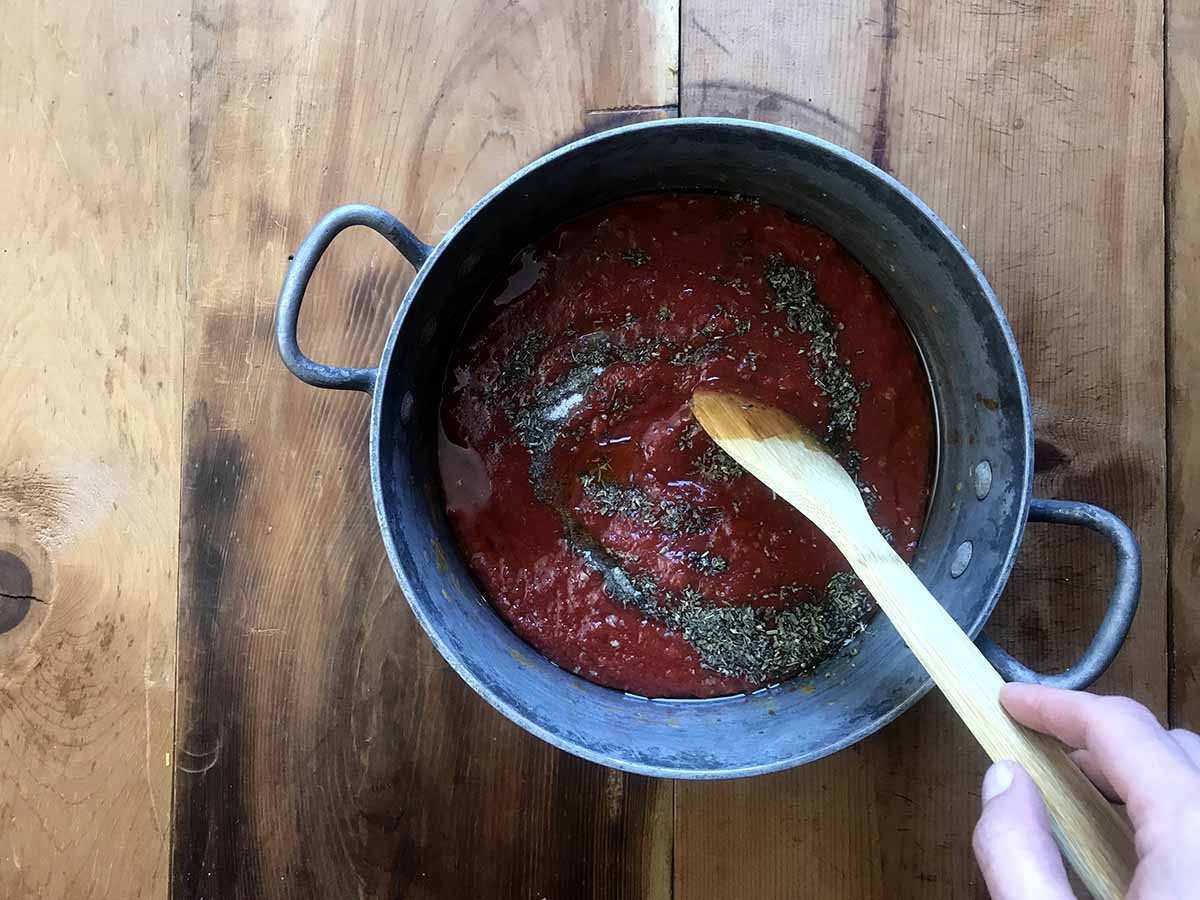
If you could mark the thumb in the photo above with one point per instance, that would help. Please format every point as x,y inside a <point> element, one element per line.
<point>1013,844</point>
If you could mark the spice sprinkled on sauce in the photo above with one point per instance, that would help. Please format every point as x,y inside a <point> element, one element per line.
<point>602,523</point>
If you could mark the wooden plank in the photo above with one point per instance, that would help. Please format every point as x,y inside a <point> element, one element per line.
<point>1032,129</point>
<point>325,749</point>
<point>1183,354</point>
<point>92,240</point>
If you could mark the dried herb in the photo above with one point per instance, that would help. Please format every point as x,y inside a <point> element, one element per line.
<point>594,350</point>
<point>796,297</point>
<point>598,469</point>
<point>713,339</point>
<point>635,256</point>
<point>519,367</point>
<point>790,594</point>
<point>754,643</point>
<point>539,422</point>
<point>870,496</point>
<point>846,599</point>
<point>678,517</point>
<point>671,516</point>
<point>745,641</point>
<point>705,563</point>
<point>853,461</point>
<point>640,352</point>
<point>688,435</point>
<point>618,403</point>
<point>843,395</point>
<point>738,284</point>
<point>689,356</point>
<point>718,466</point>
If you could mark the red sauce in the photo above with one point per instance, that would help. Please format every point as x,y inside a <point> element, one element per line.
<point>599,519</point>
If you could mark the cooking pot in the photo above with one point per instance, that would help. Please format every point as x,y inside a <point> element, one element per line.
<point>977,512</point>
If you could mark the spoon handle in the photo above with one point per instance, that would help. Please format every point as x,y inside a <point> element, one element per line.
<point>1094,837</point>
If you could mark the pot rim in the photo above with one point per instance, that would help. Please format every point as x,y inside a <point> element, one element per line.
<point>454,659</point>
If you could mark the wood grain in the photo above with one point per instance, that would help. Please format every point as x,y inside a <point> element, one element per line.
<point>324,748</point>
<point>1030,128</point>
<point>1183,354</point>
<point>93,121</point>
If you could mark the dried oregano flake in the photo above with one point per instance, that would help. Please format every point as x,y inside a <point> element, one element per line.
<point>796,297</point>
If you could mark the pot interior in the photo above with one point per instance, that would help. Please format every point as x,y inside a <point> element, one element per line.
<point>977,510</point>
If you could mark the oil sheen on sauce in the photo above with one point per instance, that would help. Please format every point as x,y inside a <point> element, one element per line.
<point>602,523</point>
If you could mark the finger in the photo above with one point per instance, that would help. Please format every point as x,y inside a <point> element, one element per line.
<point>1087,764</point>
<point>1012,839</point>
<point>1189,743</point>
<point>1141,762</point>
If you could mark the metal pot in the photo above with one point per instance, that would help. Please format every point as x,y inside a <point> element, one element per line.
<point>977,513</point>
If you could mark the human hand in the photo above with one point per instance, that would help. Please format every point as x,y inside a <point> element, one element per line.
<point>1120,746</point>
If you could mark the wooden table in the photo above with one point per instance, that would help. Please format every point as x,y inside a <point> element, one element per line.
<point>209,681</point>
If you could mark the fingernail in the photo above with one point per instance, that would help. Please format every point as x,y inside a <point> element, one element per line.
<point>997,780</point>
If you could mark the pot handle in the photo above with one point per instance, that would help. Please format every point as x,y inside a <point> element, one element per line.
<point>1122,602</point>
<point>296,282</point>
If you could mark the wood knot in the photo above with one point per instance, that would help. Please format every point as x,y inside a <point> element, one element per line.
<point>16,591</point>
<point>26,599</point>
<point>1048,456</point>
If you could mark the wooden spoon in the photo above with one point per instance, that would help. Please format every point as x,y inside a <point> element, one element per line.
<point>776,450</point>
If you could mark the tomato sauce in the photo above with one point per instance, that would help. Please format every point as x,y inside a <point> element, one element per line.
<point>601,522</point>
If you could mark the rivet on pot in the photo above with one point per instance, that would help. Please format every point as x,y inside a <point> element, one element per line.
<point>982,476</point>
<point>962,559</point>
<point>406,405</point>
